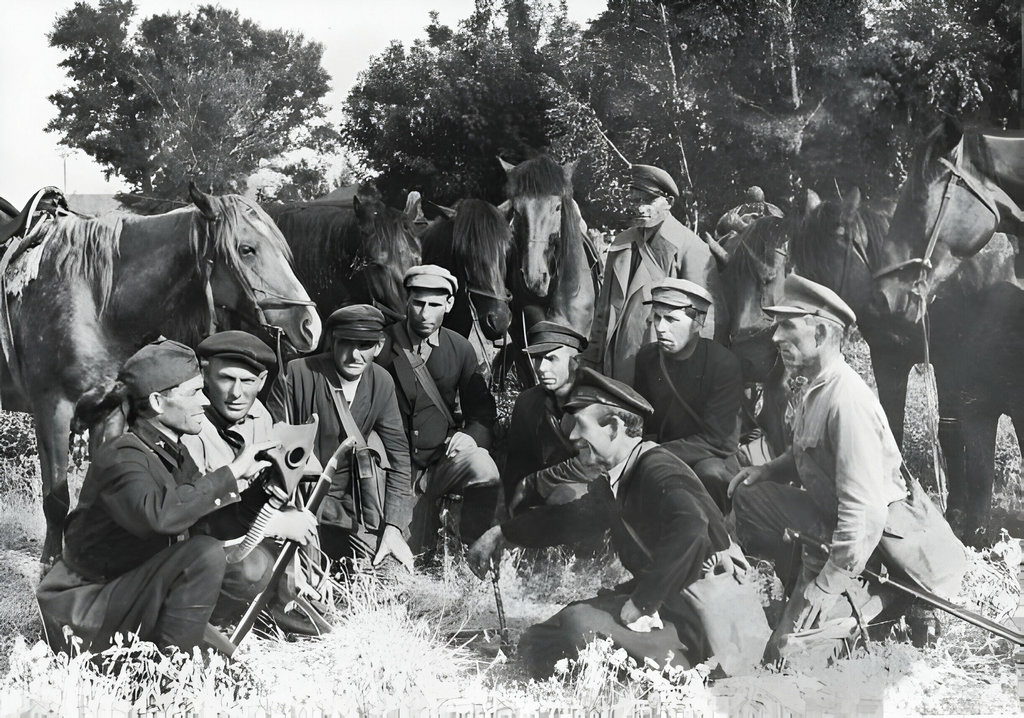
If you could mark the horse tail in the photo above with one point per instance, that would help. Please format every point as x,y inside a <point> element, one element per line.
<point>104,407</point>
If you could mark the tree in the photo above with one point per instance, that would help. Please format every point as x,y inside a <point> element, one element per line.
<point>204,95</point>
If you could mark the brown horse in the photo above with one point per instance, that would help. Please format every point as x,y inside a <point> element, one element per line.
<point>350,253</point>
<point>84,293</point>
<point>960,190</point>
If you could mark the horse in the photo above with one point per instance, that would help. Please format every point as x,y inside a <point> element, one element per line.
<point>83,294</point>
<point>348,254</point>
<point>753,278</point>
<point>473,241</point>
<point>960,190</point>
<point>841,245</point>
<point>559,268</point>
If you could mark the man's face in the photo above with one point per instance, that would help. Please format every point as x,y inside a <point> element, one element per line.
<point>352,357</point>
<point>600,439</point>
<point>180,408</point>
<point>649,209</point>
<point>231,387</point>
<point>555,369</point>
<point>674,327</point>
<point>426,309</point>
<point>796,340</point>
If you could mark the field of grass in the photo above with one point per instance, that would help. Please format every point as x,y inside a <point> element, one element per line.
<point>406,641</point>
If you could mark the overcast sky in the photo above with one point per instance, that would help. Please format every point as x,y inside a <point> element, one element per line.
<point>350,30</point>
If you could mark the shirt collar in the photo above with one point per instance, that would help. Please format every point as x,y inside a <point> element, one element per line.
<point>162,445</point>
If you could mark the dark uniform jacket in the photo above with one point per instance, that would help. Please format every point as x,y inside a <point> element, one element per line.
<point>711,383</point>
<point>536,437</point>
<point>140,494</point>
<point>453,366</point>
<point>663,503</point>
<point>308,390</point>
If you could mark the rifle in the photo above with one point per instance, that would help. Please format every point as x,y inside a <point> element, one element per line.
<point>964,614</point>
<point>317,496</point>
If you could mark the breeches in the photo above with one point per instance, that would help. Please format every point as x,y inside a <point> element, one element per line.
<point>244,581</point>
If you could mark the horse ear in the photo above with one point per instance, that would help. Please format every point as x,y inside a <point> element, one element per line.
<point>506,208</point>
<point>202,201</point>
<point>448,212</point>
<point>507,166</point>
<point>357,207</point>
<point>568,168</point>
<point>950,134</point>
<point>811,202</point>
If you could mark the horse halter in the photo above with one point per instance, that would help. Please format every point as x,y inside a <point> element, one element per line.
<point>957,175</point>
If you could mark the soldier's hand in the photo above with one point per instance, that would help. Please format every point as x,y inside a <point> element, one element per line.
<point>294,525</point>
<point>484,551</point>
<point>817,604</point>
<point>246,465</point>
<point>748,475</point>
<point>459,442</point>
<point>392,543</point>
<point>634,620</point>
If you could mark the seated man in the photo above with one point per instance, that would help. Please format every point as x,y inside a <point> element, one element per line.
<point>664,527</point>
<point>235,366</point>
<point>853,494</point>
<point>695,386</point>
<point>125,567</point>
<point>435,372</point>
<point>538,432</point>
<point>343,386</point>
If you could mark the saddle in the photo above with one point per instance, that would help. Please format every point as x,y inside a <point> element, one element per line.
<point>47,201</point>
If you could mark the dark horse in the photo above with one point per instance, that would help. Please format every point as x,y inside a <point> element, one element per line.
<point>960,190</point>
<point>354,253</point>
<point>559,270</point>
<point>977,364</point>
<point>83,294</point>
<point>474,242</point>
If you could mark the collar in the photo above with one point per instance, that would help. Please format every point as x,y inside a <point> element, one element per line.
<point>169,451</point>
<point>617,472</point>
<point>405,339</point>
<point>221,423</point>
<point>825,375</point>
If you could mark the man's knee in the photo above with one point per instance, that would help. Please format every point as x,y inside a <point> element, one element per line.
<point>206,557</point>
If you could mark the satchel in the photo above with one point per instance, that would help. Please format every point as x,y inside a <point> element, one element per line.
<point>367,476</point>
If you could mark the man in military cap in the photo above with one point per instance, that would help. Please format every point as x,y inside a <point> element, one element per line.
<point>124,568</point>
<point>435,372</point>
<point>343,385</point>
<point>657,246</point>
<point>542,465</point>
<point>853,492</point>
<point>235,365</point>
<point>694,384</point>
<point>664,527</point>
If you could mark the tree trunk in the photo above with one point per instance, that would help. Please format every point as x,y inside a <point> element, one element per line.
<point>791,54</point>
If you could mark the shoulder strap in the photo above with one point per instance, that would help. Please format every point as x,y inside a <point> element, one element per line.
<point>348,422</point>
<point>419,368</point>
<point>636,538</point>
<point>686,407</point>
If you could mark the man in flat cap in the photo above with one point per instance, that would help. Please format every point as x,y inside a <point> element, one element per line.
<point>125,566</point>
<point>853,493</point>
<point>656,247</point>
<point>542,464</point>
<point>664,527</point>
<point>436,372</point>
<point>344,386</point>
<point>235,365</point>
<point>694,384</point>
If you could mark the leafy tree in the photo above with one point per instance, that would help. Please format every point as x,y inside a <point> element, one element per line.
<point>204,95</point>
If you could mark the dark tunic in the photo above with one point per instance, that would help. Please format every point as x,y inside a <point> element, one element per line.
<point>536,438</point>
<point>309,385</point>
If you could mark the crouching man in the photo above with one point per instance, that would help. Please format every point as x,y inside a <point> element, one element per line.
<point>853,494</point>
<point>664,526</point>
<point>126,566</point>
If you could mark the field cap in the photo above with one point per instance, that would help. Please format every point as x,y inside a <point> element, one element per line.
<point>801,296</point>
<point>357,322</point>
<point>160,365</point>
<point>431,276</point>
<point>680,293</point>
<point>547,336</point>
<point>593,388</point>
<point>653,180</point>
<point>240,347</point>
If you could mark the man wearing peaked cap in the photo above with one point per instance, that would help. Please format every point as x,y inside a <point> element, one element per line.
<point>542,465</point>
<point>346,389</point>
<point>125,566</point>
<point>436,372</point>
<point>852,493</point>
<point>664,527</point>
<point>695,385</point>
<point>656,247</point>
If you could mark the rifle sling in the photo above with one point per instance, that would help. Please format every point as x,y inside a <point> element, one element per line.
<point>423,378</point>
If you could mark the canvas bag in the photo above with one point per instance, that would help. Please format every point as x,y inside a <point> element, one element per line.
<point>367,477</point>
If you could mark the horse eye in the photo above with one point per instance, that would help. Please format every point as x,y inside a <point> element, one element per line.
<point>247,250</point>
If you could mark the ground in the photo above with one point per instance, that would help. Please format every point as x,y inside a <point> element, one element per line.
<point>429,642</point>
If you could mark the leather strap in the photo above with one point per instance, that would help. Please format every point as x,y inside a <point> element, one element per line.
<point>348,422</point>
<point>686,407</point>
<point>423,378</point>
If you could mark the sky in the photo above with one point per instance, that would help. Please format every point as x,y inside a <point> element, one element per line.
<point>350,30</point>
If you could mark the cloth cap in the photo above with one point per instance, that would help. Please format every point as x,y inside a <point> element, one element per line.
<point>652,179</point>
<point>238,346</point>
<point>158,366</point>
<point>680,293</point>
<point>547,336</point>
<point>357,322</point>
<point>801,296</point>
<point>431,276</point>
<point>593,388</point>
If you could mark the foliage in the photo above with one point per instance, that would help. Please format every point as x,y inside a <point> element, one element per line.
<point>204,95</point>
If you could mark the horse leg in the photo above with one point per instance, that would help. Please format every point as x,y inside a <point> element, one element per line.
<point>891,371</point>
<point>53,430</point>
<point>979,438</point>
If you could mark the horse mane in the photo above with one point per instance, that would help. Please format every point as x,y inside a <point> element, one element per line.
<point>481,242</point>
<point>539,177</point>
<point>329,230</point>
<point>811,254</point>
<point>755,247</point>
<point>83,248</point>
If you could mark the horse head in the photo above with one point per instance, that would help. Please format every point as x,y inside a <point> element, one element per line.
<point>388,249</point>
<point>250,272</point>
